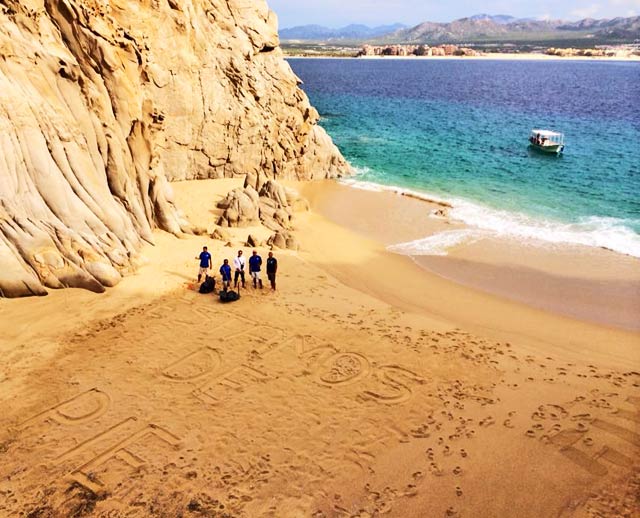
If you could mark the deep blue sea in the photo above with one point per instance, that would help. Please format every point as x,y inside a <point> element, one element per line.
<point>458,130</point>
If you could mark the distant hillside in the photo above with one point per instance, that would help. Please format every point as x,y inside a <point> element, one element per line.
<point>350,32</point>
<point>504,28</point>
<point>616,28</point>
<point>469,29</point>
<point>477,29</point>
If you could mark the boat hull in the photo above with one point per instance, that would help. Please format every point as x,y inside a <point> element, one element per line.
<point>554,149</point>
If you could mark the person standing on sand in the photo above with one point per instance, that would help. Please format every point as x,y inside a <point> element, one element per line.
<point>255,262</point>
<point>205,263</point>
<point>225,272</point>
<point>238,264</point>
<point>272,268</point>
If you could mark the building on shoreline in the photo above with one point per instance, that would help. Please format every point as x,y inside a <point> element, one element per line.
<point>617,51</point>
<point>416,50</point>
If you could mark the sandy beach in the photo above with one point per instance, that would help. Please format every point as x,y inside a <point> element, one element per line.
<point>486,383</point>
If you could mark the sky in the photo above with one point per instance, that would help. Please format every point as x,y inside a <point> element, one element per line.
<point>337,13</point>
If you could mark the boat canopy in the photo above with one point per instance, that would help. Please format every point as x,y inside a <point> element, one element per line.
<point>552,136</point>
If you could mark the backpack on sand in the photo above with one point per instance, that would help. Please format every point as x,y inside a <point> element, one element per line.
<point>208,286</point>
<point>229,296</point>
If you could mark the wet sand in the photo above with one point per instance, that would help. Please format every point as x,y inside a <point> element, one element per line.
<point>585,283</point>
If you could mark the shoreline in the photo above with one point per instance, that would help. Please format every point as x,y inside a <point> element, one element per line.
<point>587,283</point>
<point>486,57</point>
<point>442,207</point>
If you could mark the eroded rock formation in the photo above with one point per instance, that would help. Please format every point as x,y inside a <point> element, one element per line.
<point>268,203</point>
<point>102,102</point>
<point>283,239</point>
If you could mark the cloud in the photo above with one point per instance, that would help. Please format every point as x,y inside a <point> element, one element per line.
<point>626,3</point>
<point>607,9</point>
<point>586,12</point>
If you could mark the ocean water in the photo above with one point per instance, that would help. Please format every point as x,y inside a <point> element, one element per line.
<point>457,130</point>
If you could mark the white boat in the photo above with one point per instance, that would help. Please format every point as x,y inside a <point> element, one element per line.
<point>547,141</point>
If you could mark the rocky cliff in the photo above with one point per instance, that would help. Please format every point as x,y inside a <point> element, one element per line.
<point>102,102</point>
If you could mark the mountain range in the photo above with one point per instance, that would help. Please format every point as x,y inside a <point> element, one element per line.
<point>349,32</point>
<point>477,28</point>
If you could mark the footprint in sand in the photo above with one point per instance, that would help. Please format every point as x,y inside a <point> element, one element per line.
<point>436,470</point>
<point>422,432</point>
<point>487,421</point>
<point>430,454</point>
<point>410,491</point>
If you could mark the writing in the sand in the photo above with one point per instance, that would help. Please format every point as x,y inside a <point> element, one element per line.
<point>330,365</point>
<point>113,443</point>
<point>575,444</point>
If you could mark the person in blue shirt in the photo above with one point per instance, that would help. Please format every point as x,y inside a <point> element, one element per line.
<point>255,262</point>
<point>225,272</point>
<point>205,263</point>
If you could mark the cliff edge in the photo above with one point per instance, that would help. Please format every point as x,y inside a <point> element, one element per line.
<point>103,103</point>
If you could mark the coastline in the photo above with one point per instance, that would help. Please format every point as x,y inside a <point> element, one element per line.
<point>486,57</point>
<point>366,384</point>
<point>582,282</point>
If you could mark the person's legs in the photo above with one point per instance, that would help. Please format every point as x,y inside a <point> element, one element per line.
<point>254,276</point>
<point>235,278</point>
<point>272,280</point>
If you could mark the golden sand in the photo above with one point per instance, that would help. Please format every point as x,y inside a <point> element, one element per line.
<point>367,387</point>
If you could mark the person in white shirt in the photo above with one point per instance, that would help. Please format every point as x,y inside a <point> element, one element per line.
<point>238,264</point>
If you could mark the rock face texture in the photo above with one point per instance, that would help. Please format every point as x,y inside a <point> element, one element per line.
<point>262,201</point>
<point>102,102</point>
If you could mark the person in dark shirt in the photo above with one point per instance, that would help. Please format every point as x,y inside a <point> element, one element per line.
<point>205,263</point>
<point>255,262</point>
<point>225,272</point>
<point>272,268</point>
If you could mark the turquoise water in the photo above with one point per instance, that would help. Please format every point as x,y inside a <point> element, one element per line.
<point>458,130</point>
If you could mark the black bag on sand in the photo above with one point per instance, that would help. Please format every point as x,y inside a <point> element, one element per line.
<point>208,286</point>
<point>229,296</point>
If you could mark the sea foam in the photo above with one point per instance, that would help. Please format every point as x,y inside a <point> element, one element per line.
<point>437,244</point>
<point>486,222</point>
